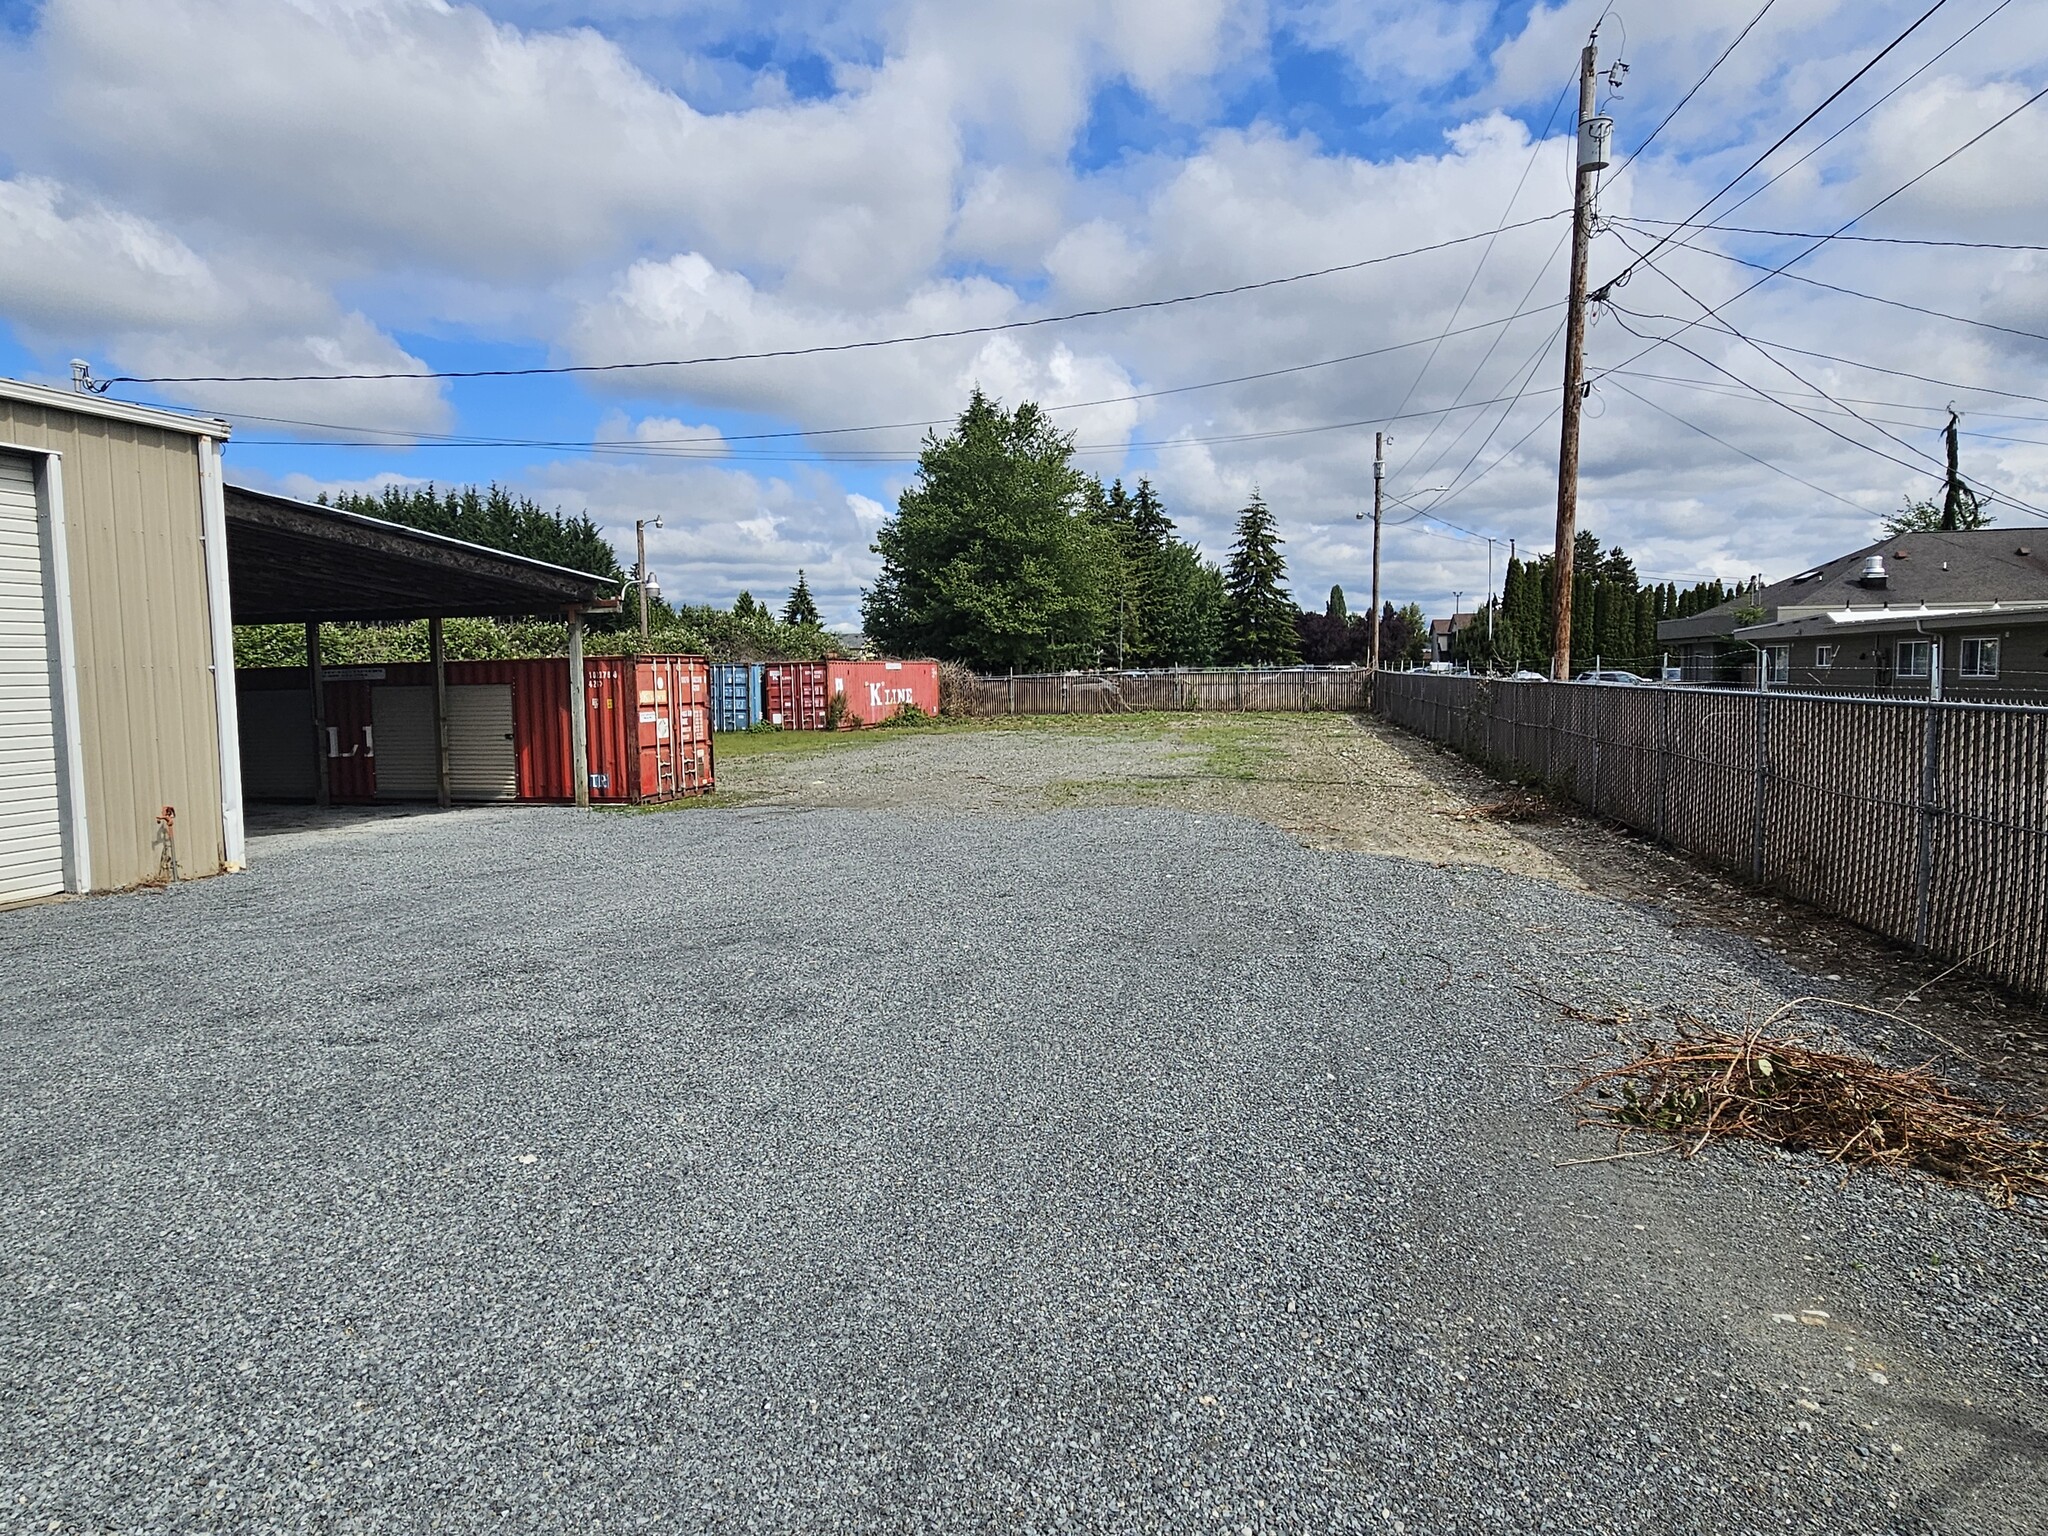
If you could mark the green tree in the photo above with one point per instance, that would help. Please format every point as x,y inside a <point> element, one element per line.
<point>994,556</point>
<point>1924,515</point>
<point>1334,608</point>
<point>1187,612</point>
<point>1258,612</point>
<point>491,516</point>
<point>801,609</point>
<point>744,606</point>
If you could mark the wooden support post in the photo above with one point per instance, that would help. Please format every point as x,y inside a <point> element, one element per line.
<point>316,685</point>
<point>579,712</point>
<point>443,788</point>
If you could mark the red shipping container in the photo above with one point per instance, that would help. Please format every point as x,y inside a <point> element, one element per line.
<point>875,691</point>
<point>649,726</point>
<point>793,695</point>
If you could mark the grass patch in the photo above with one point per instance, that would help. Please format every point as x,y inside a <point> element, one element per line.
<point>1067,794</point>
<point>1238,748</point>
<point>740,746</point>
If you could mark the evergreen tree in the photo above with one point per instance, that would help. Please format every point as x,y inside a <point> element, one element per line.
<point>800,609</point>
<point>744,607</point>
<point>997,556</point>
<point>1334,608</point>
<point>494,517</point>
<point>1258,612</point>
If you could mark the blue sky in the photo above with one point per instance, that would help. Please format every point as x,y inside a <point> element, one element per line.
<point>358,186</point>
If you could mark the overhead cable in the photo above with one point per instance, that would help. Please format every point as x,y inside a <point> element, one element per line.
<point>1720,59</point>
<point>1807,234</point>
<point>830,347</point>
<point>1877,101</point>
<point>1780,142</point>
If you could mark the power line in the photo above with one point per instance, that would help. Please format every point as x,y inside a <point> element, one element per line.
<point>706,448</point>
<point>1786,405</point>
<point>1526,372</point>
<point>1833,96</point>
<point>1850,362</point>
<point>1479,266</point>
<point>1807,234</point>
<point>1854,293</point>
<point>1776,176</point>
<point>1753,458</point>
<point>1688,96</point>
<point>1709,312</point>
<point>1896,405</point>
<point>1478,367</point>
<point>842,346</point>
<point>1785,367</point>
<point>471,440</point>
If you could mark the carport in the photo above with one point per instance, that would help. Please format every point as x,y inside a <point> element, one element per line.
<point>297,562</point>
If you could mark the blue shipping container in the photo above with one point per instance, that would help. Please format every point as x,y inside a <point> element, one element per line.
<point>735,695</point>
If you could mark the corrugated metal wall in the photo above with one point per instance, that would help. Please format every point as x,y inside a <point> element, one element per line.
<point>139,612</point>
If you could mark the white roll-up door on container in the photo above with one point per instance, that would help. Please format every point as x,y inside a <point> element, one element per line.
<point>31,817</point>
<point>483,764</point>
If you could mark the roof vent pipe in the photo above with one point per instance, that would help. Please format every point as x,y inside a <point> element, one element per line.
<point>1874,573</point>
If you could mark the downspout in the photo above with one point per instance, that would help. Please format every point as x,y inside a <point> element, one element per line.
<point>213,528</point>
<point>1933,661</point>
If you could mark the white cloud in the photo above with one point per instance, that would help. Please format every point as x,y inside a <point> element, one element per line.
<point>291,185</point>
<point>80,273</point>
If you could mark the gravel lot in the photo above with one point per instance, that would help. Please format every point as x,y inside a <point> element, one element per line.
<point>782,1169</point>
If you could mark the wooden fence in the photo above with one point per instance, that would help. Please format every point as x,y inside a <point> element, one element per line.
<point>1107,693</point>
<point>1924,822</point>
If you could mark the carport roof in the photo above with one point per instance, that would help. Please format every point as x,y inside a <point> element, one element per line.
<point>292,561</point>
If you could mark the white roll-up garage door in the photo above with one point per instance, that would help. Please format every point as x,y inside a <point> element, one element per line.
<point>482,762</point>
<point>31,818</point>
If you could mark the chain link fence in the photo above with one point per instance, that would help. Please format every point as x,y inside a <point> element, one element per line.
<point>1924,822</point>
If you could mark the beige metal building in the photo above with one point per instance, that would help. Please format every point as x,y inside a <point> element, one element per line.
<point>118,755</point>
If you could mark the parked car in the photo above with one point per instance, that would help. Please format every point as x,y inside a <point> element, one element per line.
<point>1526,676</point>
<point>1609,675</point>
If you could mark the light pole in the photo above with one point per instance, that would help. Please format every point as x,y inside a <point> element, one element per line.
<point>640,570</point>
<point>1457,602</point>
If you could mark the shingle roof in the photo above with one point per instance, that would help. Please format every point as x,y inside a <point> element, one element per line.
<point>1983,565</point>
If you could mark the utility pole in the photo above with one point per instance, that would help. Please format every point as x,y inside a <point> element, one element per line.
<point>1489,593</point>
<point>1960,499</point>
<point>1594,134</point>
<point>640,570</point>
<point>1379,477</point>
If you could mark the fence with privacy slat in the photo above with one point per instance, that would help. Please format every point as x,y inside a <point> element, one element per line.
<point>1925,822</point>
<point>1109,693</point>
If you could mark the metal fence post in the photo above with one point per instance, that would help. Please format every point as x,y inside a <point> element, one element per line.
<point>1930,785</point>
<point>1664,769</point>
<point>1763,742</point>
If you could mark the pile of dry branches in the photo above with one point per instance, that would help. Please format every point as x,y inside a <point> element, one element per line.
<point>1793,1092</point>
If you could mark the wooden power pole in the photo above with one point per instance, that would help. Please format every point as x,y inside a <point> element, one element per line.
<point>1592,152</point>
<point>1379,476</point>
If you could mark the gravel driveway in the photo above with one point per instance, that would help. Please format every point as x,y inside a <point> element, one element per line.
<point>838,1170</point>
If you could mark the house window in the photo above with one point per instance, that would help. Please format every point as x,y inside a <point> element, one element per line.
<point>1777,664</point>
<point>1823,657</point>
<point>1916,658</point>
<point>1980,658</point>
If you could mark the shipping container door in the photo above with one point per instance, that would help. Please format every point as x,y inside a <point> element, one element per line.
<point>31,822</point>
<point>402,725</point>
<point>277,744</point>
<point>482,761</point>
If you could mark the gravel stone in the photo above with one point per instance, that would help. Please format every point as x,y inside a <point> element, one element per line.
<point>775,1170</point>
